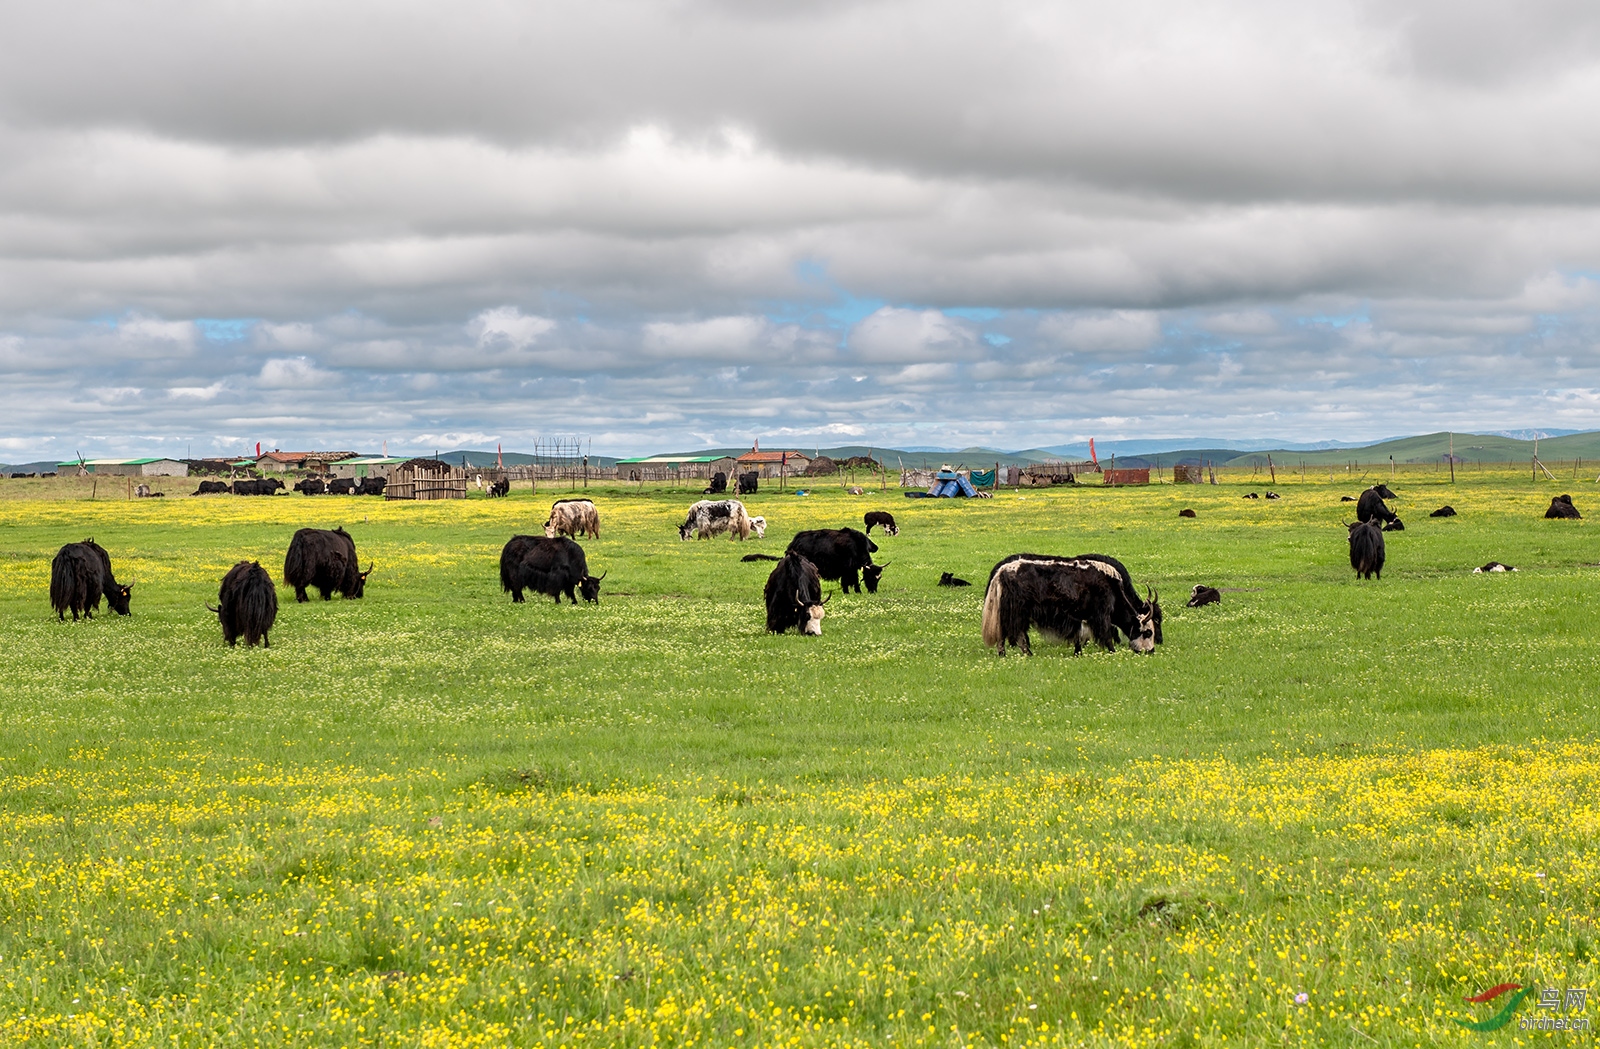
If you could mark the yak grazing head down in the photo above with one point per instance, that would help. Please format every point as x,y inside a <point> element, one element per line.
<point>871,574</point>
<point>117,597</point>
<point>1152,612</point>
<point>359,588</point>
<point>589,586</point>
<point>813,615</point>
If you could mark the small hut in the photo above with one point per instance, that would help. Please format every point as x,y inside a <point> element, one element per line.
<point>1120,477</point>
<point>821,466</point>
<point>426,479</point>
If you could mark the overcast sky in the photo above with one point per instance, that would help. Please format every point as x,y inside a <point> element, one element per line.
<point>688,223</point>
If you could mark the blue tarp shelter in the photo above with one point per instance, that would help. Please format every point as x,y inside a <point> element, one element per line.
<point>947,484</point>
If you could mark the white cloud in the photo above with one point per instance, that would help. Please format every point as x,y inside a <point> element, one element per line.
<point>1240,322</point>
<point>718,337</point>
<point>198,393</point>
<point>296,336</point>
<point>1102,333</point>
<point>894,336</point>
<point>136,328</point>
<point>508,326</point>
<point>293,373</point>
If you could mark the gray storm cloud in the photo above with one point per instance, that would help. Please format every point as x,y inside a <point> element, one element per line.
<point>680,224</point>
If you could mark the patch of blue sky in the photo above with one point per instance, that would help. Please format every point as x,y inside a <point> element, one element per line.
<point>981,314</point>
<point>229,329</point>
<point>994,338</point>
<point>843,311</point>
<point>1334,320</point>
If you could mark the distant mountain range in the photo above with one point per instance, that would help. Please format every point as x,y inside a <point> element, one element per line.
<point>1494,447</point>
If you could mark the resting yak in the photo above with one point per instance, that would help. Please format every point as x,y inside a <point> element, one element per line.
<point>840,553</point>
<point>794,596</point>
<point>79,576</point>
<point>1561,508</point>
<point>247,605</point>
<point>552,566</point>
<point>325,560</point>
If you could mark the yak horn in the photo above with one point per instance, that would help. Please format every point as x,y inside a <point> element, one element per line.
<point>370,566</point>
<point>827,599</point>
<point>218,611</point>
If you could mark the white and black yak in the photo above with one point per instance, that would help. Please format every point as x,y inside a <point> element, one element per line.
<point>1072,599</point>
<point>573,517</point>
<point>710,517</point>
<point>881,519</point>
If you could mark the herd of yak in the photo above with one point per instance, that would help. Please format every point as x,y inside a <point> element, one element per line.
<point>1087,598</point>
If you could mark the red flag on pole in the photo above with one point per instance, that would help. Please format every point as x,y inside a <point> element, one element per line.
<point>1091,452</point>
<point>258,449</point>
<point>498,459</point>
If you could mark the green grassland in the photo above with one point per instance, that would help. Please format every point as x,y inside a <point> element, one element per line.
<point>435,818</point>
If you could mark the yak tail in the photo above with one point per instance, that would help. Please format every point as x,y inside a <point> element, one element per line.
<point>991,609</point>
<point>63,583</point>
<point>294,564</point>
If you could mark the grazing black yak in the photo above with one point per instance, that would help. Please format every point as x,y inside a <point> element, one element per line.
<point>325,560</point>
<point>1366,549</point>
<point>840,553</point>
<point>794,596</point>
<point>550,566</point>
<point>247,605</point>
<point>1371,506</point>
<point>79,576</point>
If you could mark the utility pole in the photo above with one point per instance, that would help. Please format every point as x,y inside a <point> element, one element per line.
<point>1452,458</point>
